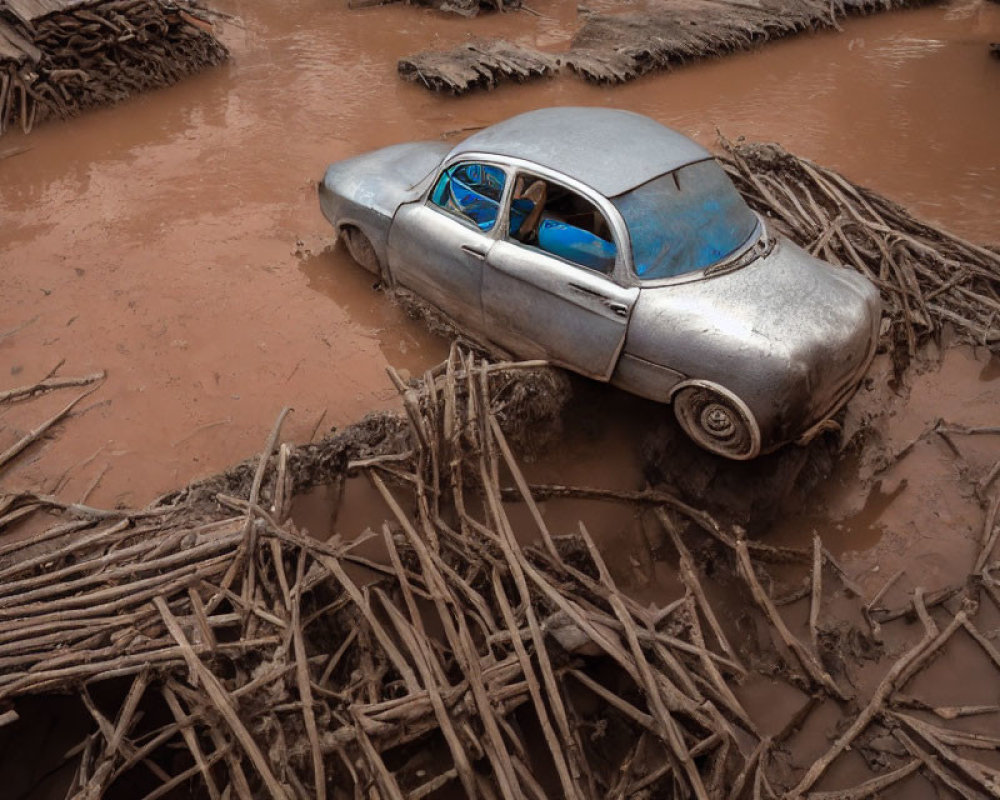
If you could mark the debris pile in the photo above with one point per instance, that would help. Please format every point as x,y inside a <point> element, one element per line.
<point>927,277</point>
<point>615,48</point>
<point>619,47</point>
<point>481,63</point>
<point>463,643</point>
<point>285,666</point>
<point>58,57</point>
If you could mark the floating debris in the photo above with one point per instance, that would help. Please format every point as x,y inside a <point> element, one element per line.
<point>619,47</point>
<point>58,57</point>
<point>479,64</point>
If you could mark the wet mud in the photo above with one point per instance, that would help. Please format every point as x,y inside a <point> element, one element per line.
<point>178,246</point>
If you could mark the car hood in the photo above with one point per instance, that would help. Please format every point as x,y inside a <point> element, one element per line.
<point>786,333</point>
<point>384,179</point>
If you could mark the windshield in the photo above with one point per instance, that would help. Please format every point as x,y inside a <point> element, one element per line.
<point>685,220</point>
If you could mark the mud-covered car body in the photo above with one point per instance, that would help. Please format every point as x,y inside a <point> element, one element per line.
<point>613,246</point>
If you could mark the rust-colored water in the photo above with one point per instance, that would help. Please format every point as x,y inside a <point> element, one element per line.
<point>175,240</point>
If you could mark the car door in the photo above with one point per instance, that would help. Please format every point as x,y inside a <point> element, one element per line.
<point>438,245</point>
<point>550,290</point>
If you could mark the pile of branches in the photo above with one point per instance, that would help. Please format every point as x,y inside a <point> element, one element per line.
<point>927,277</point>
<point>285,666</point>
<point>55,63</point>
<point>482,63</point>
<point>619,47</point>
<point>615,48</point>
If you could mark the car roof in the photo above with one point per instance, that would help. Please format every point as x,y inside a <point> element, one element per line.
<point>608,149</point>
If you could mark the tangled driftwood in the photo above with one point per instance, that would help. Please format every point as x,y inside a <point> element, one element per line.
<point>281,665</point>
<point>58,57</point>
<point>293,667</point>
<point>618,47</point>
<point>928,277</point>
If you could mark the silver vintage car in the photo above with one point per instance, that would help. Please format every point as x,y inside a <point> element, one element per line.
<point>615,247</point>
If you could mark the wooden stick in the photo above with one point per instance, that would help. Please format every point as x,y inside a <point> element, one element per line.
<point>872,787</point>
<point>816,592</point>
<point>222,702</point>
<point>303,680</point>
<point>865,716</point>
<point>48,384</point>
<point>18,447</point>
<point>810,665</point>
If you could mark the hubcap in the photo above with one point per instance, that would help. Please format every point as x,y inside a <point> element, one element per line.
<point>717,420</point>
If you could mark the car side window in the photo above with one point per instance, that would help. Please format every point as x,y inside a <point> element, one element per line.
<point>472,192</point>
<point>561,222</point>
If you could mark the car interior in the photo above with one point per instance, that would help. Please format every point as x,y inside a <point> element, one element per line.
<point>543,215</point>
<point>562,222</point>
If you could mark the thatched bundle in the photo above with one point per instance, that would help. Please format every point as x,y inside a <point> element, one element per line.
<point>618,47</point>
<point>58,57</point>
<point>614,48</point>
<point>482,63</point>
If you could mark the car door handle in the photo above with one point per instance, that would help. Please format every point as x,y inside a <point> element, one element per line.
<point>587,290</point>
<point>474,251</point>
<point>613,305</point>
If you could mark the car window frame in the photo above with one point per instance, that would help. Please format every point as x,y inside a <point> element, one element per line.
<point>588,196</point>
<point>698,274</point>
<point>472,158</point>
<point>621,275</point>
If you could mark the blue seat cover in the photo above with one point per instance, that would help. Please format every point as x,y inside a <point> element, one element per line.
<point>576,245</point>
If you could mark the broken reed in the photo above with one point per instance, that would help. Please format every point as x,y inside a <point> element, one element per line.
<point>81,55</point>
<point>290,667</point>
<point>928,278</point>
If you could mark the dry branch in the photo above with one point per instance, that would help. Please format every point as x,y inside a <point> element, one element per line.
<point>286,665</point>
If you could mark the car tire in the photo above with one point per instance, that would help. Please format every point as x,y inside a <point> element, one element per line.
<point>361,250</point>
<point>717,421</point>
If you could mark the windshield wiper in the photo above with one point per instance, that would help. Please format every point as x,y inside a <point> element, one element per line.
<point>762,247</point>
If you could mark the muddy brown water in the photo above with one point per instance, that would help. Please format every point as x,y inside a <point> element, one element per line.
<point>175,242</point>
<point>158,239</point>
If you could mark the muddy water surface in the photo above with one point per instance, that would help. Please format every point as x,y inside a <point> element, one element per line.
<point>175,240</point>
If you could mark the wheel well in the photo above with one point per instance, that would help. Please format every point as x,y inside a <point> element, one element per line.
<point>368,256</point>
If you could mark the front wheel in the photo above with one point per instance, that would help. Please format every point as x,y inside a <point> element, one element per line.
<point>717,422</point>
<point>361,249</point>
